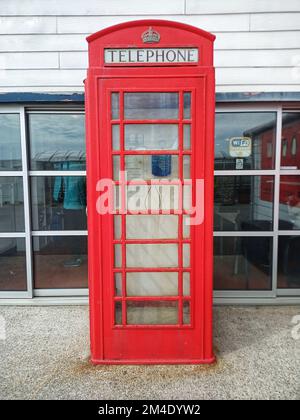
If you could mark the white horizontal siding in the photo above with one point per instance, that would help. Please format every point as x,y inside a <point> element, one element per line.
<point>90,7</point>
<point>21,60</point>
<point>216,23</point>
<point>241,6</point>
<point>43,45</point>
<point>275,21</point>
<point>257,58</point>
<point>257,76</point>
<point>258,40</point>
<point>27,25</point>
<point>53,78</point>
<point>9,43</point>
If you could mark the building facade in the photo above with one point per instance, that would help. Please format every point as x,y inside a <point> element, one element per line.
<point>43,60</point>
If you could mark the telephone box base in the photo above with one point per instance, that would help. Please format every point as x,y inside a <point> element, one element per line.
<point>155,362</point>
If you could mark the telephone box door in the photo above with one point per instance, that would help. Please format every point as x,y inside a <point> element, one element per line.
<point>152,258</point>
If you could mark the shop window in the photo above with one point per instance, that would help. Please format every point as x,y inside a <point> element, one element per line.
<point>10,143</point>
<point>243,263</point>
<point>60,262</point>
<point>13,265</point>
<point>289,205</point>
<point>290,156</point>
<point>11,204</point>
<point>245,140</point>
<point>58,202</point>
<point>243,203</point>
<point>288,262</point>
<point>57,141</point>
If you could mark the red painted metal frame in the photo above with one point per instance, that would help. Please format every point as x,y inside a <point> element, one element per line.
<point>149,344</point>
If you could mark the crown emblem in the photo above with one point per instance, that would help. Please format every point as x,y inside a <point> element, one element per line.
<point>150,36</point>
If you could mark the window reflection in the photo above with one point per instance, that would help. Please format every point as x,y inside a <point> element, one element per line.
<point>245,140</point>
<point>58,202</point>
<point>57,141</point>
<point>290,152</point>
<point>11,204</point>
<point>10,143</point>
<point>288,262</point>
<point>60,262</point>
<point>13,264</point>
<point>244,203</point>
<point>151,137</point>
<point>151,105</point>
<point>242,263</point>
<point>289,205</point>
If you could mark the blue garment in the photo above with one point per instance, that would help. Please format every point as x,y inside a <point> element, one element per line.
<point>74,187</point>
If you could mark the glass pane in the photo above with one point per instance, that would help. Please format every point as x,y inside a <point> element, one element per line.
<point>152,255</point>
<point>152,284</point>
<point>58,202</point>
<point>186,308</point>
<point>187,105</point>
<point>186,167</point>
<point>10,143</point>
<point>115,106</point>
<point>152,312</point>
<point>148,167</point>
<point>13,264</point>
<point>186,284</point>
<point>289,207</point>
<point>152,227</point>
<point>288,262</point>
<point>186,136</point>
<point>186,255</point>
<point>154,197</point>
<point>151,137</point>
<point>11,204</point>
<point>116,167</point>
<point>118,313</point>
<point>117,227</point>
<point>118,284</point>
<point>243,263</point>
<point>116,137</point>
<point>151,105</point>
<point>60,262</point>
<point>245,140</point>
<point>290,155</point>
<point>244,203</point>
<point>186,229</point>
<point>118,256</point>
<point>57,142</point>
<point>187,197</point>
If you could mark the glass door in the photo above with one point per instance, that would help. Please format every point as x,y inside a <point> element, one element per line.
<point>152,286</point>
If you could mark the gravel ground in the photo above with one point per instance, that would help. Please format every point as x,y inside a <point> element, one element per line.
<point>46,356</point>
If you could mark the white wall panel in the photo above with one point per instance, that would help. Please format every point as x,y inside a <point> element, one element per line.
<point>211,23</point>
<point>27,25</point>
<point>22,60</point>
<point>241,6</point>
<point>257,40</point>
<point>257,58</point>
<point>275,21</point>
<point>264,76</point>
<point>73,60</point>
<point>43,43</point>
<point>42,78</point>
<point>90,7</point>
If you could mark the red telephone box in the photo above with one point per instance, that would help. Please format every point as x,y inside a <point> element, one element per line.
<point>150,97</point>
